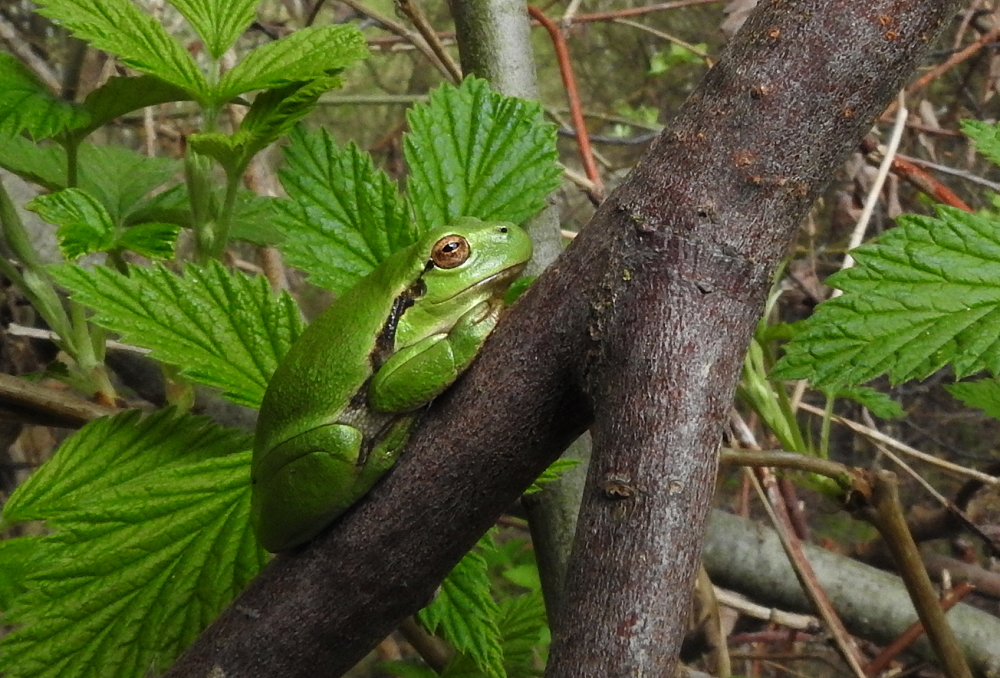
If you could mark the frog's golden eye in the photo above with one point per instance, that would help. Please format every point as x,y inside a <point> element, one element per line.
<point>450,251</point>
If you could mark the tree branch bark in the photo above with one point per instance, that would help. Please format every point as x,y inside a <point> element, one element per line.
<point>640,327</point>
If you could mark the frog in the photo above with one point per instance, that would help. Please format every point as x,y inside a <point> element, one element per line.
<point>342,404</point>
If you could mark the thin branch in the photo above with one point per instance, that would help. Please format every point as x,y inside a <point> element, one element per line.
<point>569,81</point>
<point>942,464</point>
<point>888,517</point>
<point>411,9</point>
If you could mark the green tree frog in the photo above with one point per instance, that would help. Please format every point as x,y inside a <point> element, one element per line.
<point>340,407</point>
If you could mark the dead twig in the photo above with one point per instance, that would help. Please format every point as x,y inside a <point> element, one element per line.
<point>886,515</point>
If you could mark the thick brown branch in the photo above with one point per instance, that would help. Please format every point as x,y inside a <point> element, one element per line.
<point>644,321</point>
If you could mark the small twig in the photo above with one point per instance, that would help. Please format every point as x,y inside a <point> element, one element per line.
<point>402,31</point>
<point>430,649</point>
<point>888,517</point>
<point>951,62</point>
<point>907,168</point>
<point>24,400</point>
<point>881,662</point>
<point>569,82</point>
<point>792,620</point>
<point>906,449</point>
<point>963,174</point>
<point>412,10</point>
<point>666,36</point>
<point>858,235</point>
<point>776,511</point>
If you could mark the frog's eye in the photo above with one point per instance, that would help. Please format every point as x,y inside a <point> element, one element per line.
<point>450,251</point>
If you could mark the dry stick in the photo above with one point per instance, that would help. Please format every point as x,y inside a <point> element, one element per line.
<point>888,518</point>
<point>871,433</point>
<point>953,61</point>
<point>412,10</point>
<point>908,170</point>
<point>569,82</point>
<point>402,31</point>
<point>883,171</point>
<point>777,512</point>
<point>910,635</point>
<point>26,401</point>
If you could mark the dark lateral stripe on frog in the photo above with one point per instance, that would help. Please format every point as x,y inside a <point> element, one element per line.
<point>385,342</point>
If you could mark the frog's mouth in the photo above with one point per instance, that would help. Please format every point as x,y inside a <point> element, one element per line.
<point>502,278</point>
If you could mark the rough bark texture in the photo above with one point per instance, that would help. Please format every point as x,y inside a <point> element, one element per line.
<point>687,246</point>
<point>643,321</point>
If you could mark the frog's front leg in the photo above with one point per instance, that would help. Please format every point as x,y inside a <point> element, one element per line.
<point>416,374</point>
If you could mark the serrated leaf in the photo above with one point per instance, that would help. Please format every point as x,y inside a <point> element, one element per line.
<point>983,394</point>
<point>84,225</point>
<point>925,296</point>
<point>42,165</point>
<point>136,570</point>
<point>120,27</point>
<point>304,55</point>
<point>466,616</point>
<point>880,404</point>
<point>153,240</point>
<point>522,627</point>
<point>218,22</point>
<point>473,152</point>
<point>121,95</point>
<point>222,329</point>
<point>343,217</point>
<point>120,178</point>
<point>17,557</point>
<point>111,450</point>
<point>985,137</point>
<point>272,114</point>
<point>26,104</point>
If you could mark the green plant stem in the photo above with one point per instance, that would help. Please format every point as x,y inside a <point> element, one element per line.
<point>87,358</point>
<point>33,282</point>
<point>72,147</point>
<point>824,431</point>
<point>888,517</point>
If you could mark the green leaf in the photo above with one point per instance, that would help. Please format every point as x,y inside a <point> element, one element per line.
<point>985,137</point>
<point>473,152</point>
<point>925,296</point>
<point>218,22</point>
<point>17,557</point>
<point>42,165</point>
<point>109,451</point>
<point>136,569</point>
<point>880,404</point>
<point>343,217</point>
<point>26,104</point>
<point>120,27</point>
<point>304,55</point>
<point>120,178</point>
<point>552,473</point>
<point>983,394</point>
<point>225,330</point>
<point>153,240</point>
<point>84,225</point>
<point>522,627</point>
<point>121,95</point>
<point>466,616</point>
<point>272,114</point>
